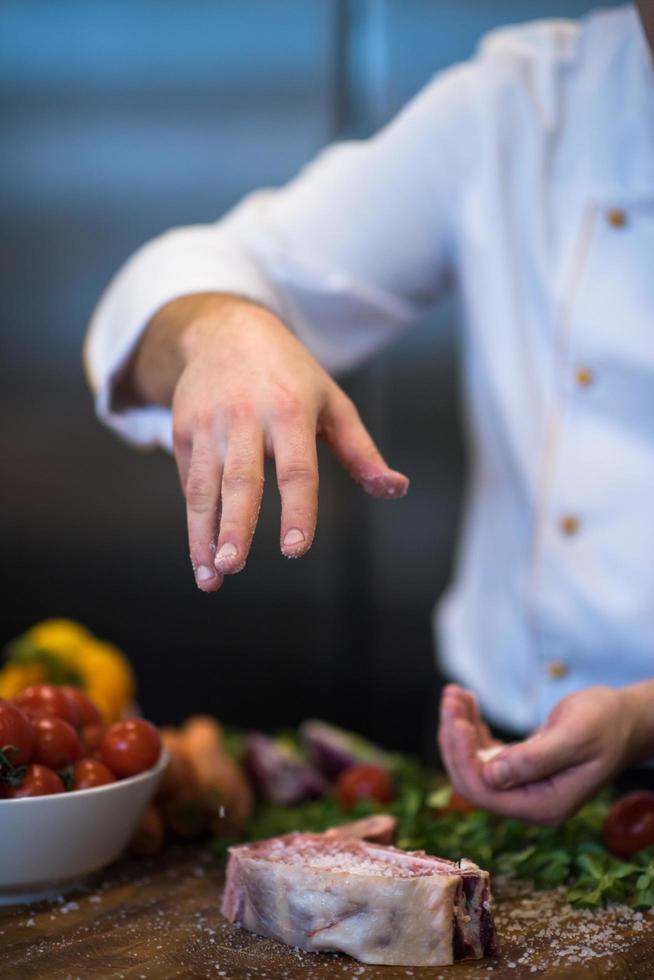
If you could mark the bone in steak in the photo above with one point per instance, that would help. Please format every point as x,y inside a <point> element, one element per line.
<point>329,892</point>
<point>378,829</point>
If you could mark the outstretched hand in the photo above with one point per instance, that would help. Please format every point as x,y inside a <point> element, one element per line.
<point>242,387</point>
<point>587,739</point>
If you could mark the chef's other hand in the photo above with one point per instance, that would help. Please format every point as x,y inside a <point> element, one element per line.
<point>241,386</point>
<point>588,738</point>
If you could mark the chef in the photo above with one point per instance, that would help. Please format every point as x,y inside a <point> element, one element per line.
<point>527,175</point>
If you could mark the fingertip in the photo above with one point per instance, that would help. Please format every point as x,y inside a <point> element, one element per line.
<point>229,560</point>
<point>450,707</point>
<point>295,543</point>
<point>208,579</point>
<point>453,703</point>
<point>497,774</point>
<point>385,485</point>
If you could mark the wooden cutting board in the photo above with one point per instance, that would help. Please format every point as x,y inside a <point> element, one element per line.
<point>160,919</point>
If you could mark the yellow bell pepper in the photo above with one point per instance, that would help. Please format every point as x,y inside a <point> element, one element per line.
<point>107,678</point>
<point>58,635</point>
<point>60,651</point>
<point>14,678</point>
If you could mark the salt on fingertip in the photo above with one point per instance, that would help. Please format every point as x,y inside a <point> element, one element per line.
<point>485,755</point>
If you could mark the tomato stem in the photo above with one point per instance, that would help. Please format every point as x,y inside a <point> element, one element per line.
<point>10,774</point>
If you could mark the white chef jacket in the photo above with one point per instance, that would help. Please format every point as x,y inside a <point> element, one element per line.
<point>527,174</point>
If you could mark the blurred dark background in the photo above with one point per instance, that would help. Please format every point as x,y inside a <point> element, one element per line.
<point>121,118</point>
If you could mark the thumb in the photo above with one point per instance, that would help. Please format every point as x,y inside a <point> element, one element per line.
<point>544,754</point>
<point>346,435</point>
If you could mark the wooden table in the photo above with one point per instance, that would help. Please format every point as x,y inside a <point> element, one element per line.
<point>159,919</point>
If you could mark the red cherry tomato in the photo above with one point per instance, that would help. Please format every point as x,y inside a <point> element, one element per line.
<point>87,713</point>
<point>364,782</point>
<point>91,736</point>
<point>57,743</point>
<point>629,824</point>
<point>17,736</point>
<point>457,804</point>
<point>37,781</point>
<point>48,701</point>
<point>91,772</point>
<point>131,746</point>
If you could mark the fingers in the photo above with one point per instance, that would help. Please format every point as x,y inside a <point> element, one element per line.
<point>201,483</point>
<point>349,440</point>
<point>544,754</point>
<point>548,801</point>
<point>457,702</point>
<point>296,462</point>
<point>458,744</point>
<point>242,487</point>
<point>461,741</point>
<point>454,712</point>
<point>221,470</point>
<point>551,750</point>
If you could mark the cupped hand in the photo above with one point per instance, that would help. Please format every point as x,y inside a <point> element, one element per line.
<point>243,387</point>
<point>586,740</point>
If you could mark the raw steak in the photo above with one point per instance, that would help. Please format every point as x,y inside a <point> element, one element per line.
<point>331,892</point>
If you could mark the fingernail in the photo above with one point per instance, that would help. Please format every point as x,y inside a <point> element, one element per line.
<point>500,773</point>
<point>293,537</point>
<point>227,551</point>
<point>203,574</point>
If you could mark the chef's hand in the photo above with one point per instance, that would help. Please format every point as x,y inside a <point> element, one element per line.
<point>588,738</point>
<point>242,386</point>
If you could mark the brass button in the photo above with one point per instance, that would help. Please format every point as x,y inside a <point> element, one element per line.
<point>584,376</point>
<point>616,217</point>
<point>569,524</point>
<point>557,669</point>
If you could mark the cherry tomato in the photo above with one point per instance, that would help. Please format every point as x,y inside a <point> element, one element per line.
<point>364,782</point>
<point>131,746</point>
<point>91,736</point>
<point>47,701</point>
<point>629,824</point>
<point>37,781</point>
<point>87,713</point>
<point>91,772</point>
<point>57,743</point>
<point>457,804</point>
<point>17,736</point>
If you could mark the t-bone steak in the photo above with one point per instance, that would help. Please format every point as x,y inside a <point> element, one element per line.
<point>335,893</point>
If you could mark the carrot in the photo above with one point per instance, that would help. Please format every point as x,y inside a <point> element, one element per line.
<point>225,787</point>
<point>178,778</point>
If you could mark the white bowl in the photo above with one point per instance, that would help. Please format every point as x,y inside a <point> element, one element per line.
<point>47,843</point>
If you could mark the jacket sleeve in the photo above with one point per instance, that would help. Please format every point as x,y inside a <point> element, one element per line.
<point>347,254</point>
